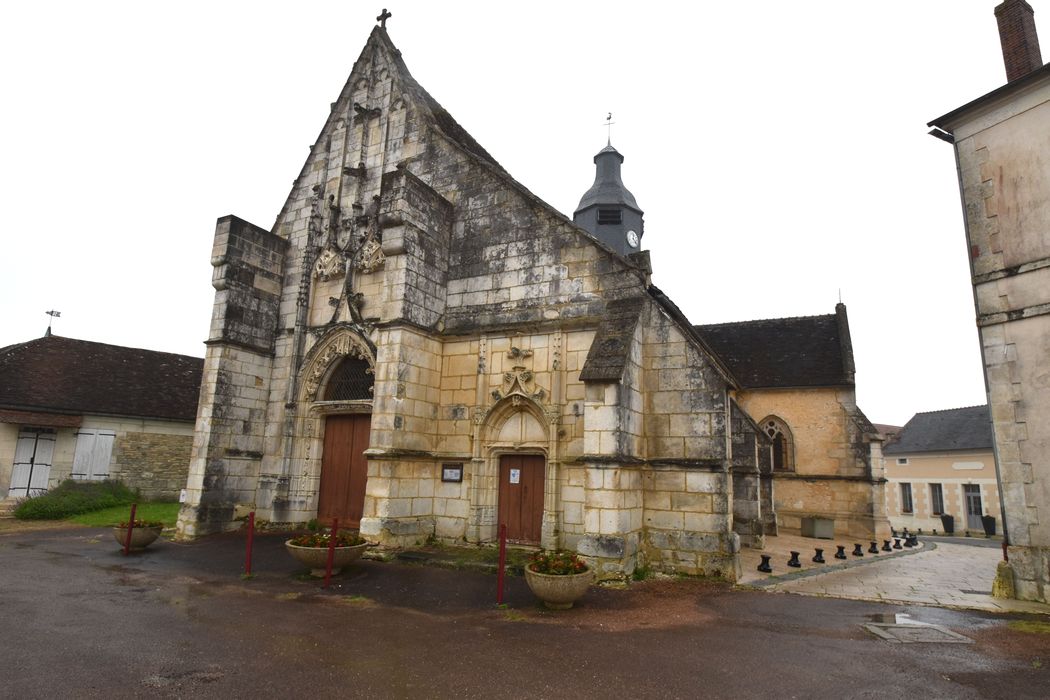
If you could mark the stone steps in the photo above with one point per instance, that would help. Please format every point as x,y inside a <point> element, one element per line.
<point>7,507</point>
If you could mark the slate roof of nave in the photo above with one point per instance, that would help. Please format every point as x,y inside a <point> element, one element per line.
<point>968,428</point>
<point>803,351</point>
<point>65,375</point>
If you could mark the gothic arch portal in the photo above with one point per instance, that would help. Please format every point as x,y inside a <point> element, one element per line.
<point>516,425</point>
<point>335,383</point>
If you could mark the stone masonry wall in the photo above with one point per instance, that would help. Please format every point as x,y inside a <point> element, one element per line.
<point>155,464</point>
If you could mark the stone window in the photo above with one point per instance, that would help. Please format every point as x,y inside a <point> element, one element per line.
<point>783,443</point>
<point>906,504</point>
<point>610,216</point>
<point>902,460</point>
<point>352,380</point>
<point>937,499</point>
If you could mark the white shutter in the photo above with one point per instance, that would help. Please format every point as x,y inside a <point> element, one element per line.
<point>91,458</point>
<point>32,465</point>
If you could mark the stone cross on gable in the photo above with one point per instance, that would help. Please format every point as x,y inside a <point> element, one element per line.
<point>382,18</point>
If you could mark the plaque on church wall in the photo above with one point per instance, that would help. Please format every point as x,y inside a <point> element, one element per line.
<point>452,472</point>
<point>515,476</point>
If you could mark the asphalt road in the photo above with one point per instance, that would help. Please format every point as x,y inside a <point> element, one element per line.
<point>80,620</point>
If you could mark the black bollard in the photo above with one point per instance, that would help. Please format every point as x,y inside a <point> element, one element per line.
<point>920,530</point>
<point>908,543</point>
<point>858,550</point>
<point>886,546</point>
<point>914,540</point>
<point>818,558</point>
<point>841,553</point>
<point>764,567</point>
<point>793,562</point>
<point>893,532</point>
<point>935,532</point>
<point>874,548</point>
<point>896,543</point>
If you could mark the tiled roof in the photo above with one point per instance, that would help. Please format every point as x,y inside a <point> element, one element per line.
<point>63,375</point>
<point>806,351</point>
<point>967,428</point>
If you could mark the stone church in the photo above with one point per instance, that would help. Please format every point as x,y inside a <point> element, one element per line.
<point>422,348</point>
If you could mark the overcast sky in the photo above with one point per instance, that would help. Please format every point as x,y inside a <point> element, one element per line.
<point>778,149</point>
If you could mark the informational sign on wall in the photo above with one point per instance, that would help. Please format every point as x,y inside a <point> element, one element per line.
<point>515,476</point>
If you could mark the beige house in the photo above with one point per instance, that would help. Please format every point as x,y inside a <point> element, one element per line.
<point>421,348</point>
<point>942,463</point>
<point>83,410</point>
<point>1001,144</point>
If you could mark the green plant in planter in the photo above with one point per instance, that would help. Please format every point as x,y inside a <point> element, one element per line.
<point>557,563</point>
<point>322,539</point>
<point>558,578</point>
<point>140,523</point>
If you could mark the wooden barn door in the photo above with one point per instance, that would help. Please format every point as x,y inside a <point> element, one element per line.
<point>521,497</point>
<point>344,469</point>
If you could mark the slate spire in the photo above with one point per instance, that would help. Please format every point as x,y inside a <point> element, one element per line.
<point>608,210</point>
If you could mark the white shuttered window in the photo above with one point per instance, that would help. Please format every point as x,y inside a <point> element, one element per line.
<point>91,459</point>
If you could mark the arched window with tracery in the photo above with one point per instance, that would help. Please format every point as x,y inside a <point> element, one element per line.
<point>352,380</point>
<point>783,443</point>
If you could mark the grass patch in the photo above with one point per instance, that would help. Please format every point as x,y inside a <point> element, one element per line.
<point>1030,626</point>
<point>166,513</point>
<point>73,498</point>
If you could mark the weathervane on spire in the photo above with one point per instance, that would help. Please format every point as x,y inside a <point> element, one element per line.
<point>608,123</point>
<point>383,17</point>
<point>53,314</point>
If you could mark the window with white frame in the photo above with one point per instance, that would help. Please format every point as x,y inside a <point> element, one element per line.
<point>902,460</point>
<point>906,504</point>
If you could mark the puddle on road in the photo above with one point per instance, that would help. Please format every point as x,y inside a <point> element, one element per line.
<point>896,619</point>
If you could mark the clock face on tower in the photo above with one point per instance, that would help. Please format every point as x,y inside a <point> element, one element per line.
<point>632,239</point>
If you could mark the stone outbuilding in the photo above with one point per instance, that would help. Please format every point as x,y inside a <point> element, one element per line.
<point>91,411</point>
<point>422,348</point>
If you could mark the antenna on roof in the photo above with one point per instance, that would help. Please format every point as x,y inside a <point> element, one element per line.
<point>53,314</point>
<point>840,295</point>
<point>608,123</point>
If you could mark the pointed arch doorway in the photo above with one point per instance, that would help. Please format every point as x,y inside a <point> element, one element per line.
<point>344,467</point>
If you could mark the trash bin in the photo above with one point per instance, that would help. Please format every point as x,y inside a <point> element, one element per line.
<point>820,528</point>
<point>989,525</point>
<point>948,522</point>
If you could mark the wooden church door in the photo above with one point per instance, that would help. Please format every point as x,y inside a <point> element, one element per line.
<point>521,496</point>
<point>344,469</point>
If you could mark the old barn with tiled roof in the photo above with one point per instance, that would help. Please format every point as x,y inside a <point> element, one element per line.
<point>86,410</point>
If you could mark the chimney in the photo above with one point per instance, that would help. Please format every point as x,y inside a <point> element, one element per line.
<point>1016,20</point>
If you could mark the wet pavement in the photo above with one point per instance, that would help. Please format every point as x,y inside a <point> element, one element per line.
<point>945,571</point>
<point>178,620</point>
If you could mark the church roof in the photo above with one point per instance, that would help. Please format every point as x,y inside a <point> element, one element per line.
<point>63,375</point>
<point>806,351</point>
<point>953,429</point>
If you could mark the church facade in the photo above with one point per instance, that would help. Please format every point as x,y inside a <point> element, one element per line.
<point>421,348</point>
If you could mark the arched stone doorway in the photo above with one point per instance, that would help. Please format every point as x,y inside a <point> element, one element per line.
<point>516,474</point>
<point>338,389</point>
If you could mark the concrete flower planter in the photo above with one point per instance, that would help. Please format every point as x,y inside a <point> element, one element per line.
<point>559,592</point>
<point>141,537</point>
<point>317,557</point>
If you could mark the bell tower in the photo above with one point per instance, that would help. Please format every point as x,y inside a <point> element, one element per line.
<point>607,210</point>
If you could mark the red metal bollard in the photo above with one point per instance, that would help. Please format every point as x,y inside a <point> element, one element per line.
<point>331,552</point>
<point>502,563</point>
<point>131,528</point>
<point>251,539</point>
